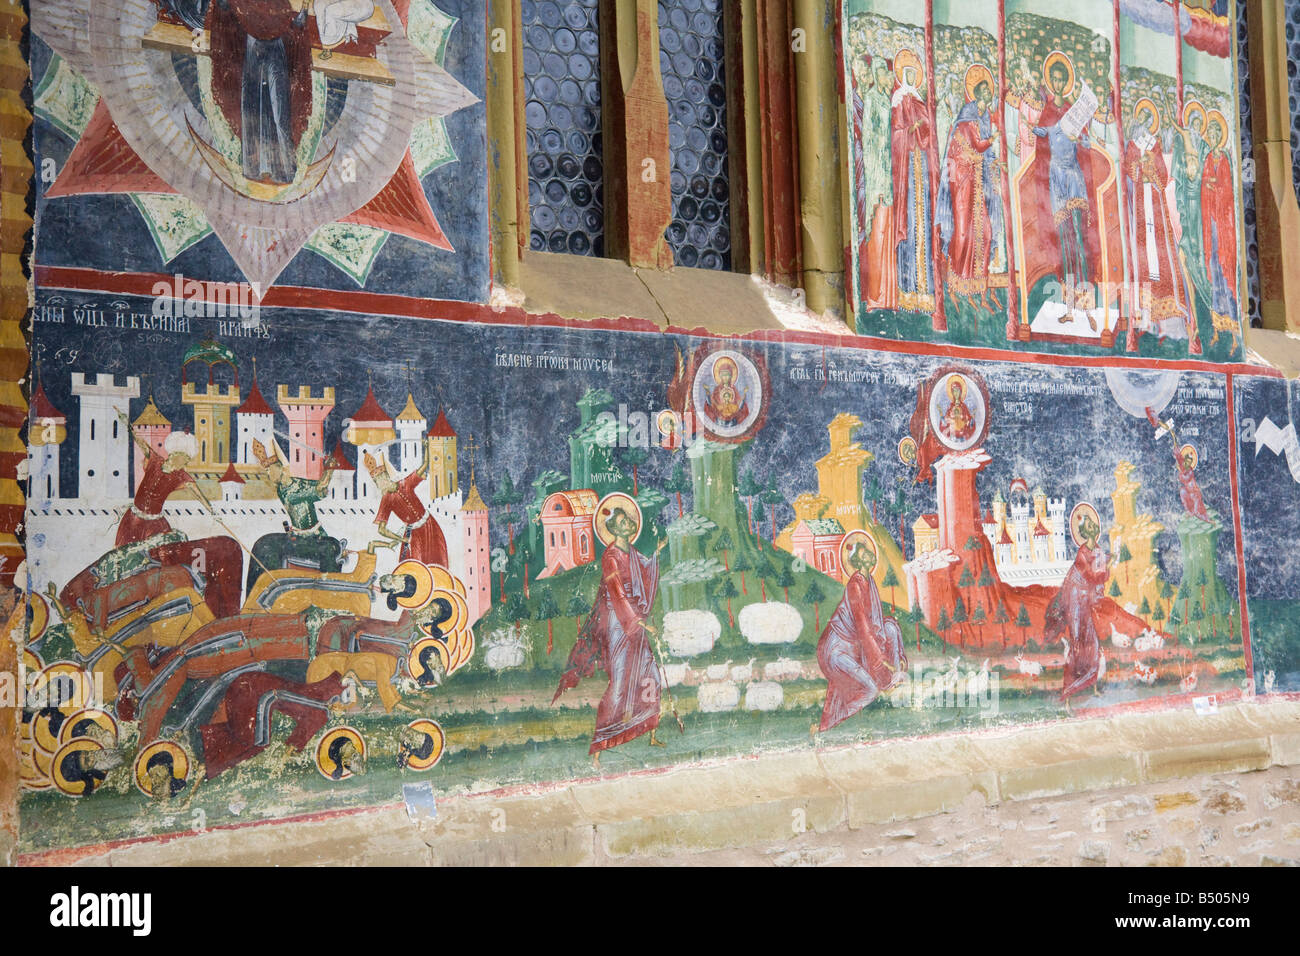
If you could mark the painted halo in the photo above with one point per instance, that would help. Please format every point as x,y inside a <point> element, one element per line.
<point>1216,118</point>
<point>32,662</point>
<point>1081,510</point>
<point>976,74</point>
<point>440,645</point>
<point>73,788</point>
<point>180,764</point>
<point>1189,449</point>
<point>1193,108</point>
<point>459,614</point>
<point>668,423</point>
<point>605,510</point>
<point>752,388</point>
<point>423,576</point>
<point>29,775</point>
<point>38,617</point>
<point>74,727</point>
<point>430,727</point>
<point>850,543</point>
<point>903,60</point>
<point>325,764</point>
<point>907,451</point>
<point>43,735</point>
<point>1053,58</point>
<point>82,692</point>
<point>1146,104</point>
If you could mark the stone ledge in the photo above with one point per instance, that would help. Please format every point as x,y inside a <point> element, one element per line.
<point>762,799</point>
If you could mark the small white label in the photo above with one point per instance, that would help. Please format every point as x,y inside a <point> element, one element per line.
<point>1206,705</point>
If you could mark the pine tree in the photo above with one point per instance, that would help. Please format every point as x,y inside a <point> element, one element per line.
<point>943,624</point>
<point>891,582</point>
<point>1022,620</point>
<point>959,618</point>
<point>741,565</point>
<point>749,488</point>
<point>577,609</point>
<point>1125,556</point>
<point>516,610</point>
<point>507,497</point>
<point>814,596</point>
<point>917,617</point>
<point>986,577</point>
<point>967,579</point>
<point>872,493</point>
<point>1001,617</point>
<point>1201,582</point>
<point>785,581</point>
<point>728,591</point>
<point>1114,589</point>
<point>723,545</point>
<point>1158,614</point>
<point>1145,609</point>
<point>679,483</point>
<point>773,498</point>
<point>634,457</point>
<point>548,611</point>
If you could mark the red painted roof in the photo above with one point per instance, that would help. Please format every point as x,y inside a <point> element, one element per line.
<point>441,427</point>
<point>1039,530</point>
<point>255,404</point>
<point>341,458</point>
<point>43,407</point>
<point>370,410</point>
<point>232,475</point>
<point>931,519</point>
<point>1006,538</point>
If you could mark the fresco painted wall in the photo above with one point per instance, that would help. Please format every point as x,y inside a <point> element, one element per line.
<point>1027,180</point>
<point>390,543</point>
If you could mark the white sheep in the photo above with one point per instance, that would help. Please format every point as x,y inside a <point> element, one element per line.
<point>782,669</point>
<point>1118,638</point>
<point>1148,642</point>
<point>743,672</point>
<point>718,671</point>
<point>764,695</point>
<point>1146,675</point>
<point>716,696</point>
<point>1032,668</point>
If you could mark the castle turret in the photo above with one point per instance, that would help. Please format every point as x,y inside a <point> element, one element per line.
<point>343,483</point>
<point>370,433</point>
<point>443,468</point>
<point>411,424</point>
<point>103,457</point>
<point>45,435</point>
<point>151,427</point>
<point>306,414</point>
<point>254,421</point>
<point>478,552</point>
<point>212,402</point>
<point>232,486</point>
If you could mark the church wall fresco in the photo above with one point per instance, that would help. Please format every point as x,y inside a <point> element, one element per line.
<point>1047,174</point>
<point>381,542</point>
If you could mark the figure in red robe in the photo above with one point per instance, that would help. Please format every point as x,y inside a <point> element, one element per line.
<point>909,123</point>
<point>1070,615</point>
<point>860,650</point>
<point>163,475</point>
<point>423,540</point>
<point>873,88</point>
<point>1219,221</point>
<point>614,638</point>
<point>261,81</point>
<point>1189,489</point>
<point>957,421</point>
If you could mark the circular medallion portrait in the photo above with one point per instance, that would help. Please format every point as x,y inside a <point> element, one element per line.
<point>958,411</point>
<point>729,395</point>
<point>341,753</point>
<point>421,745</point>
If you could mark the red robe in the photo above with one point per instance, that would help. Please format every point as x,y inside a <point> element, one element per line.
<point>145,519</point>
<point>970,248</point>
<point>425,542</point>
<point>614,639</point>
<point>240,729</point>
<point>1071,616</point>
<point>1189,491</point>
<point>1218,207</point>
<point>909,123</point>
<point>856,650</point>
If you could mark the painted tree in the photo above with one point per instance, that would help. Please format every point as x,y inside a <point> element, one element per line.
<point>1114,591</point>
<point>944,624</point>
<point>986,577</point>
<point>967,579</point>
<point>873,492</point>
<point>749,488</point>
<point>773,499</point>
<point>1125,557</point>
<point>960,617</point>
<point>765,571</point>
<point>741,565</point>
<point>1167,595</point>
<point>1001,617</point>
<point>516,610</point>
<point>890,581</point>
<point>1022,621</point>
<point>785,581</point>
<point>814,596</point>
<point>678,484</point>
<point>723,545</point>
<point>547,610</point>
<point>1158,614</point>
<point>727,590</point>
<point>1145,609</point>
<point>917,618</point>
<point>979,618</point>
<point>578,609</point>
<point>1201,582</point>
<point>898,509</point>
<point>507,497</point>
<point>634,457</point>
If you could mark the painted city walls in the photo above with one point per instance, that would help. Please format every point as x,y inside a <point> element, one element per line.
<point>311,526</point>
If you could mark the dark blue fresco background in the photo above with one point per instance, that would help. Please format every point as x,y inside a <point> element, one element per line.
<point>107,232</point>
<point>522,417</point>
